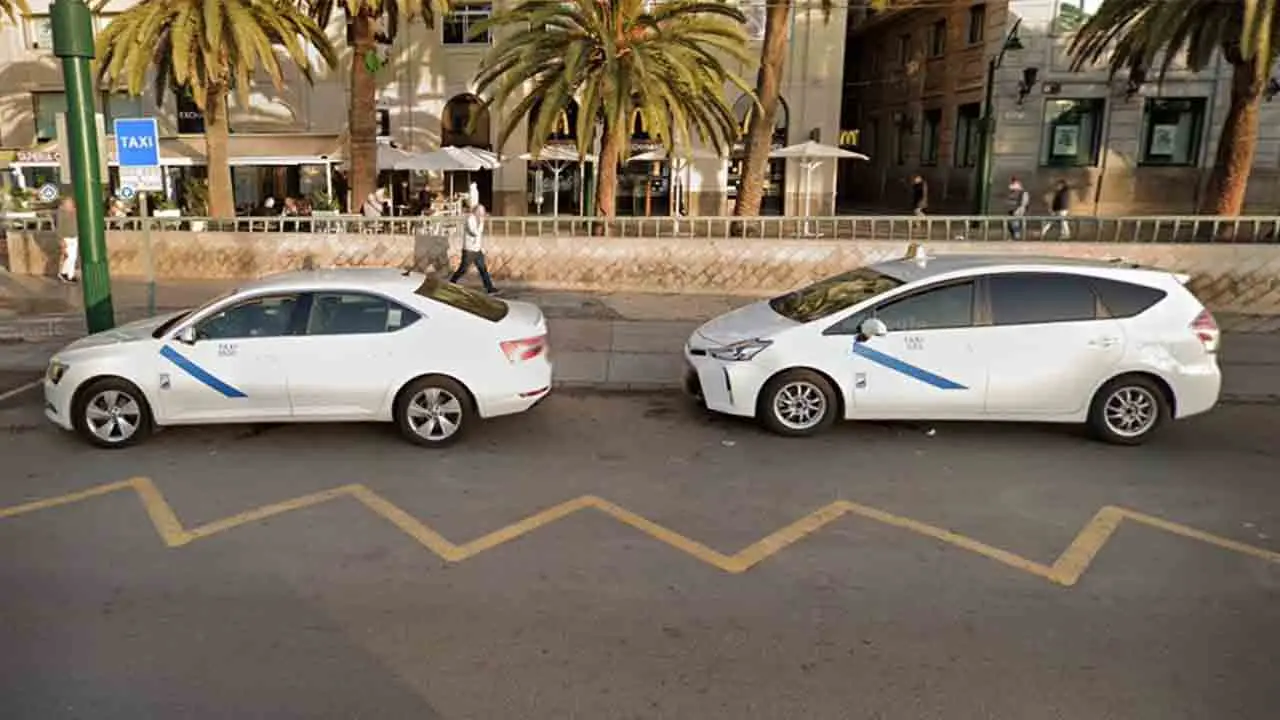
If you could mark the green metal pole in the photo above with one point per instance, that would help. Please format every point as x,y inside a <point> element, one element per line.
<point>982,194</point>
<point>73,44</point>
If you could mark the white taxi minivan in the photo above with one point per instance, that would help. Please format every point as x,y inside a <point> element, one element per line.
<point>1120,348</point>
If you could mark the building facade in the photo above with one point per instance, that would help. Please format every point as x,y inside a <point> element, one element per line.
<point>291,141</point>
<point>914,88</point>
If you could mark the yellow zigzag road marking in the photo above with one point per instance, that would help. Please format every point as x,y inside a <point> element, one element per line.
<point>1066,570</point>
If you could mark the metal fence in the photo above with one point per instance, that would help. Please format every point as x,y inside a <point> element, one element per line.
<point>1145,229</point>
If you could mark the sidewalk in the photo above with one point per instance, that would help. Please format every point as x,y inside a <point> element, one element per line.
<point>615,341</point>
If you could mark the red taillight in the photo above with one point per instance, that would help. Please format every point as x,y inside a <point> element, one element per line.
<point>1206,330</point>
<point>526,349</point>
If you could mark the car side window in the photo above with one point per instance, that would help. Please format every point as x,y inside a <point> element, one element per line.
<point>1123,299</point>
<point>1035,298</point>
<point>949,306</point>
<point>356,314</point>
<point>267,316</point>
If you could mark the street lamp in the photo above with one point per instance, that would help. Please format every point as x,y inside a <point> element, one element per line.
<point>73,44</point>
<point>982,198</point>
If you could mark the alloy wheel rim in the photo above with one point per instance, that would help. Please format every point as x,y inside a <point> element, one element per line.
<point>435,414</point>
<point>113,416</point>
<point>799,405</point>
<point>1131,411</point>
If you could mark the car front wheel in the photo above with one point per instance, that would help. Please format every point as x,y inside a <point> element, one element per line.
<point>797,403</point>
<point>111,413</point>
<point>434,411</point>
<point>1128,410</point>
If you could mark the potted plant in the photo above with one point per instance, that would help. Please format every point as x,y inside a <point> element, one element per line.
<point>324,205</point>
<point>195,193</point>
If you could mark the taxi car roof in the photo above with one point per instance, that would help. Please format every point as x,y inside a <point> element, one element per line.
<point>911,269</point>
<point>349,278</point>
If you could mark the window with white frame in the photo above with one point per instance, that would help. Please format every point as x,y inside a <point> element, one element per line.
<point>460,21</point>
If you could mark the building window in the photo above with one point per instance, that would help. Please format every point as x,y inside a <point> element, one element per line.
<point>938,39</point>
<point>968,134</point>
<point>190,116</point>
<point>461,19</point>
<point>904,49</point>
<point>901,140</point>
<point>1171,131</point>
<point>48,105</point>
<point>384,122</point>
<point>930,136</point>
<point>977,24</point>
<point>39,32</point>
<point>1072,132</point>
<point>117,106</point>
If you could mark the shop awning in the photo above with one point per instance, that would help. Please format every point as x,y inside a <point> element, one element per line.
<point>184,150</point>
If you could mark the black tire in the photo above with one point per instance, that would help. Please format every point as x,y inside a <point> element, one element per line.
<point>1116,414</point>
<point>116,405</point>
<point>805,385</point>
<point>453,406</point>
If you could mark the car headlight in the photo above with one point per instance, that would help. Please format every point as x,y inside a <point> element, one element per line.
<point>741,350</point>
<point>56,370</point>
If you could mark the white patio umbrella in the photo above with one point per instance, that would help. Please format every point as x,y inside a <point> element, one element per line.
<point>811,154</point>
<point>449,159</point>
<point>680,161</point>
<point>559,158</point>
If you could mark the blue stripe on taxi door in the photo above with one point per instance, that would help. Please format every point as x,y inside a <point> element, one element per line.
<point>911,371</point>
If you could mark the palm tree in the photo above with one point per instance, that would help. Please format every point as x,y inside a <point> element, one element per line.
<point>1137,33</point>
<point>363,38</point>
<point>14,9</point>
<point>210,48</point>
<point>758,141</point>
<point>616,57</point>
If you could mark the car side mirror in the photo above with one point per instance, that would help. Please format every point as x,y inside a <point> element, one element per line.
<point>187,335</point>
<point>873,327</point>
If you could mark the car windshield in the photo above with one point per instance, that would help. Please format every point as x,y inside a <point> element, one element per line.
<point>462,298</point>
<point>833,294</point>
<point>169,324</point>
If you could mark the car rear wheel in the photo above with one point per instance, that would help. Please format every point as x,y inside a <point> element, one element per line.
<point>111,413</point>
<point>434,411</point>
<point>1128,410</point>
<point>797,403</point>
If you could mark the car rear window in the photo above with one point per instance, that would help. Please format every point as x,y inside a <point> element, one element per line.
<point>833,294</point>
<point>462,298</point>
<point>1123,299</point>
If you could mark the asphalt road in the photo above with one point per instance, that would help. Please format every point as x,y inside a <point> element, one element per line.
<point>341,605</point>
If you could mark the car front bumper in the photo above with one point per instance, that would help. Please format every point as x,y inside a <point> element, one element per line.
<point>57,403</point>
<point>723,386</point>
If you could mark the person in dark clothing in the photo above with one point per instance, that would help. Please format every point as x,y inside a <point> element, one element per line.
<point>919,195</point>
<point>1061,207</point>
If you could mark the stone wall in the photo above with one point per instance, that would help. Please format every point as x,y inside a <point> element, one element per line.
<point>1227,276</point>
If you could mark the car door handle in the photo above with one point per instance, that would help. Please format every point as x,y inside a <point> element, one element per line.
<point>1103,342</point>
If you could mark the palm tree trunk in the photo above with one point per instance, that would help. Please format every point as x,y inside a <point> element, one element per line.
<point>759,140</point>
<point>607,177</point>
<point>362,118</point>
<point>1230,176</point>
<point>217,137</point>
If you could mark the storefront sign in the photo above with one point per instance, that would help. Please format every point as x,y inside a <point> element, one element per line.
<point>39,157</point>
<point>849,138</point>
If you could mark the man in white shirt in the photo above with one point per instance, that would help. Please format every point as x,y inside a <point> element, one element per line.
<point>473,250</point>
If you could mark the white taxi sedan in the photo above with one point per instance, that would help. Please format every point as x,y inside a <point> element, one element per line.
<point>332,345</point>
<point>953,337</point>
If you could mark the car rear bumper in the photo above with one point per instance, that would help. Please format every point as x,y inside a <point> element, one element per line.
<point>725,387</point>
<point>1197,392</point>
<point>527,388</point>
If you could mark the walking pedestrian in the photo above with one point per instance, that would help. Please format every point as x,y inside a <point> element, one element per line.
<point>473,250</point>
<point>919,196</point>
<point>1019,201</point>
<point>69,237</point>
<point>1061,207</point>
